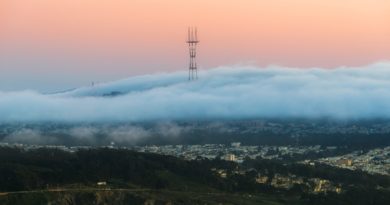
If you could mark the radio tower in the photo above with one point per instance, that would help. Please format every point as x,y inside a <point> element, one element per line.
<point>192,42</point>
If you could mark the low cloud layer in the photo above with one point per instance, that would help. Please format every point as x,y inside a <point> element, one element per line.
<point>91,134</point>
<point>237,92</point>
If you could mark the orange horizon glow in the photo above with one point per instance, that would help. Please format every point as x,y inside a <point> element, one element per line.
<point>149,35</point>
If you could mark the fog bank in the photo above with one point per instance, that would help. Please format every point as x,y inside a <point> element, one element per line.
<point>236,92</point>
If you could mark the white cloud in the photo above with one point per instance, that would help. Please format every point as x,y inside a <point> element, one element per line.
<point>83,134</point>
<point>127,134</point>
<point>29,136</point>
<point>225,92</point>
<point>170,130</point>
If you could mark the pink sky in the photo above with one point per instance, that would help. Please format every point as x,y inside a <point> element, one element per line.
<point>45,41</point>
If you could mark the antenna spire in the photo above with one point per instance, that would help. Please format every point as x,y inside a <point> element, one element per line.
<point>192,43</point>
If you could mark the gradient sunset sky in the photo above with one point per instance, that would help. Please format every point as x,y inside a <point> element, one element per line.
<point>49,45</point>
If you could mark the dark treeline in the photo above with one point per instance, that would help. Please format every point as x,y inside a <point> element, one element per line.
<point>44,168</point>
<point>35,169</point>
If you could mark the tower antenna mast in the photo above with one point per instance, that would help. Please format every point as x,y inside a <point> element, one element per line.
<point>192,43</point>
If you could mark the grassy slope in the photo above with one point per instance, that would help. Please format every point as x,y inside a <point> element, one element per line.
<point>130,197</point>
